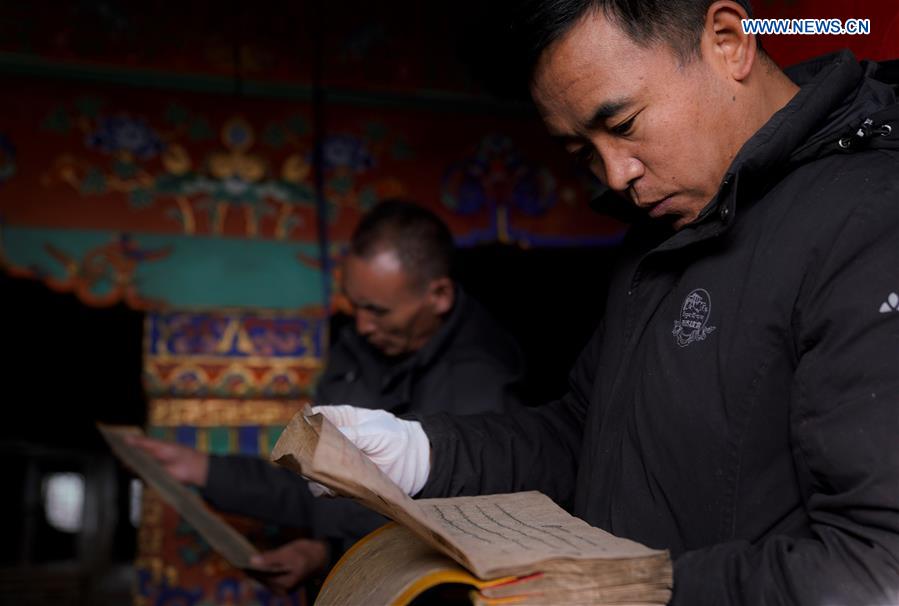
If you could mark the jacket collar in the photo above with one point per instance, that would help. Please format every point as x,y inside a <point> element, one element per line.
<point>830,98</point>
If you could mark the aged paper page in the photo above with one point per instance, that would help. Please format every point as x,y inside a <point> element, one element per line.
<point>232,545</point>
<point>506,534</point>
<point>311,446</point>
<point>491,535</point>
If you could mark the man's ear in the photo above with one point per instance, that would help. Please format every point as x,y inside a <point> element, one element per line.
<point>441,295</point>
<point>723,39</point>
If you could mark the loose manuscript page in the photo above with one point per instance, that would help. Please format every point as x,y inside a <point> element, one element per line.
<point>224,539</point>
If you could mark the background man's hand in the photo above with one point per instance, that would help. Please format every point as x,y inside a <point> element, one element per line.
<point>186,465</point>
<point>291,564</point>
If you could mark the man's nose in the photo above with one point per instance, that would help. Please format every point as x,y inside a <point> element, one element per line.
<point>620,169</point>
<point>365,325</point>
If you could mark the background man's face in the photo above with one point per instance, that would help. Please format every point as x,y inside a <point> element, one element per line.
<point>653,130</point>
<point>392,312</point>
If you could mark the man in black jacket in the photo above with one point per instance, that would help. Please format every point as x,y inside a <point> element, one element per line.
<point>739,404</point>
<point>418,344</point>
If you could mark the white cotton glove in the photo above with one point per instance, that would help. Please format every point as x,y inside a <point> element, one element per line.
<point>400,448</point>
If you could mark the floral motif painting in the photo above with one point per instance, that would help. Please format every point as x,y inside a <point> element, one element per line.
<point>174,200</point>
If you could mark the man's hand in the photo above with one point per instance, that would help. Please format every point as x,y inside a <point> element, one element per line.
<point>186,465</point>
<point>400,448</point>
<point>290,564</point>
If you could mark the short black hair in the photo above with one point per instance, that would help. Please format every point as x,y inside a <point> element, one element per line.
<point>536,24</point>
<point>421,240</point>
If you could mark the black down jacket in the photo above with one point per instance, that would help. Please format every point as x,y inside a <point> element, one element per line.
<point>739,404</point>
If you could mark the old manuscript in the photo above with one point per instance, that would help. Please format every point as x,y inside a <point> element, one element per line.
<point>223,538</point>
<point>520,545</point>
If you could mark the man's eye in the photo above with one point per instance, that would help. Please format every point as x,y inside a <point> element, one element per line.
<point>585,155</point>
<point>624,128</point>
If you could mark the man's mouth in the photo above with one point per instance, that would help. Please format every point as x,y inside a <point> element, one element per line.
<point>660,207</point>
<point>384,344</point>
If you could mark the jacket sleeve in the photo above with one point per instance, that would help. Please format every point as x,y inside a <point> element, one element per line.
<point>253,487</point>
<point>482,384</point>
<point>526,449</point>
<point>845,424</point>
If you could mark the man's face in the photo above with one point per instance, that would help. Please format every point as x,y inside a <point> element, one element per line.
<point>393,313</point>
<point>653,130</point>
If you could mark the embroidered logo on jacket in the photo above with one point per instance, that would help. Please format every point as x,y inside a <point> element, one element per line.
<point>694,315</point>
<point>891,304</point>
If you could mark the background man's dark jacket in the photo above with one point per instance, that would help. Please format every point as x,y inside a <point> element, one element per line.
<point>469,366</point>
<point>740,403</point>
